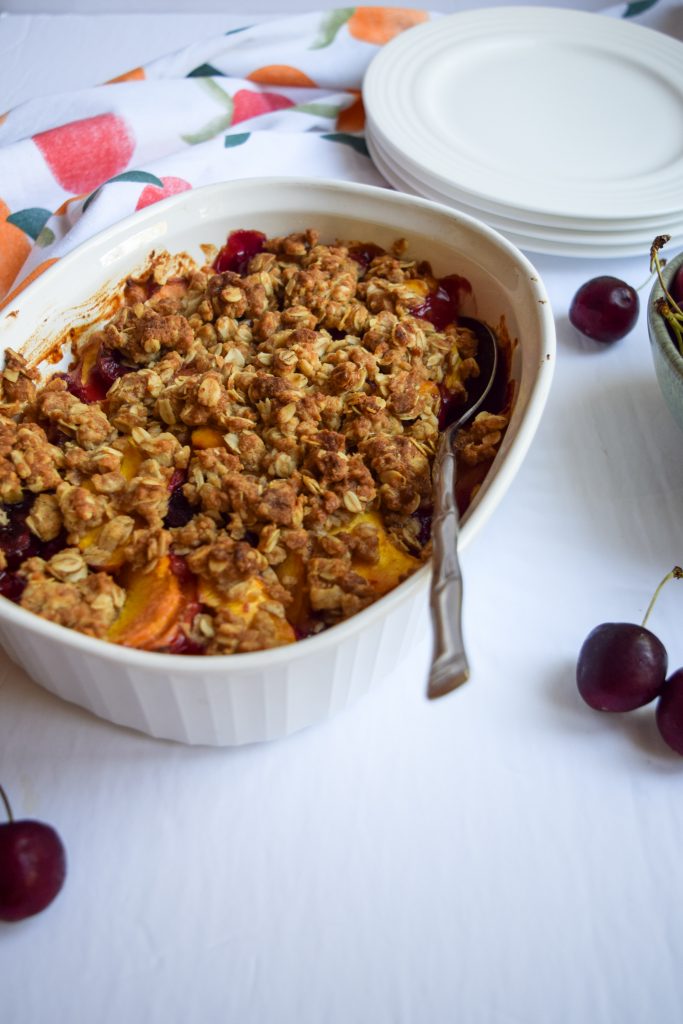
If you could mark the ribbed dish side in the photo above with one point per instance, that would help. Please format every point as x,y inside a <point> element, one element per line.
<point>214,709</point>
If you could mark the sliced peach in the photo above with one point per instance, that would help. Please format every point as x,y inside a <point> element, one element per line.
<point>114,559</point>
<point>175,635</point>
<point>88,360</point>
<point>254,596</point>
<point>88,539</point>
<point>175,287</point>
<point>129,466</point>
<point>131,461</point>
<point>418,285</point>
<point>292,576</point>
<point>152,608</point>
<point>284,632</point>
<point>429,387</point>
<point>206,437</point>
<point>394,564</point>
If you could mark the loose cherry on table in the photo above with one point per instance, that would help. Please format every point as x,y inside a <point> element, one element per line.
<point>32,866</point>
<point>623,666</point>
<point>669,712</point>
<point>605,309</point>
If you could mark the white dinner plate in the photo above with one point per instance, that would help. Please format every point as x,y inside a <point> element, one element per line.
<point>624,231</point>
<point>598,246</point>
<point>595,242</point>
<point>526,218</point>
<point>532,108</point>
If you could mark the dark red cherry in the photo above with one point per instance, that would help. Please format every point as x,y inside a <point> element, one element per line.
<point>605,309</point>
<point>32,866</point>
<point>676,287</point>
<point>621,666</point>
<point>669,713</point>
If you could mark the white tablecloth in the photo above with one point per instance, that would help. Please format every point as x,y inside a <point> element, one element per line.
<point>503,856</point>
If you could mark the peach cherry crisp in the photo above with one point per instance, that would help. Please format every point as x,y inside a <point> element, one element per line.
<point>241,455</point>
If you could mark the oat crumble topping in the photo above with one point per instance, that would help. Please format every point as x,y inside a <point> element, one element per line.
<point>241,456</point>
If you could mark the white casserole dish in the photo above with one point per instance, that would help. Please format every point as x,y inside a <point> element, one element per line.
<point>246,698</point>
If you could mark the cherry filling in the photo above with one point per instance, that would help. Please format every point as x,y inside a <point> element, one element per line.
<point>365,254</point>
<point>442,306</point>
<point>183,645</point>
<point>12,586</point>
<point>424,519</point>
<point>181,642</point>
<point>179,509</point>
<point>107,369</point>
<point>238,251</point>
<point>450,407</point>
<point>15,538</point>
<point>84,391</point>
<point>182,571</point>
<point>18,543</point>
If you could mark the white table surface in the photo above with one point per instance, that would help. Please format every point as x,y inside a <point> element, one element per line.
<point>504,856</point>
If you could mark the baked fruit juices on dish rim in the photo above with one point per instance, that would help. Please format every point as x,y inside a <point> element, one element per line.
<point>239,455</point>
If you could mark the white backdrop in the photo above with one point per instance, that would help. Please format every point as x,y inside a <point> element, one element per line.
<point>253,7</point>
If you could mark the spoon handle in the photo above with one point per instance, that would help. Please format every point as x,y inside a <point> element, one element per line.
<point>449,662</point>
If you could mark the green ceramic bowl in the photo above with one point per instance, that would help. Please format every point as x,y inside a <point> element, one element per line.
<point>666,357</point>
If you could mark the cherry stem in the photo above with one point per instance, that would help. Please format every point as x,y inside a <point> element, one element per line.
<point>675,322</point>
<point>6,802</point>
<point>675,574</point>
<point>656,264</point>
<point>648,279</point>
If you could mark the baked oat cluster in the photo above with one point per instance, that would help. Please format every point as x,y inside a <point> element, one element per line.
<point>241,456</point>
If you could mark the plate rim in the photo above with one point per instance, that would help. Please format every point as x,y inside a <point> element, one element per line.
<point>636,40</point>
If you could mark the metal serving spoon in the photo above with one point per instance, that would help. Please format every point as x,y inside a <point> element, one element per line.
<point>449,661</point>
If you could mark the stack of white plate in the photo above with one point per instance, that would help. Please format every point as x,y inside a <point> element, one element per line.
<point>562,129</point>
